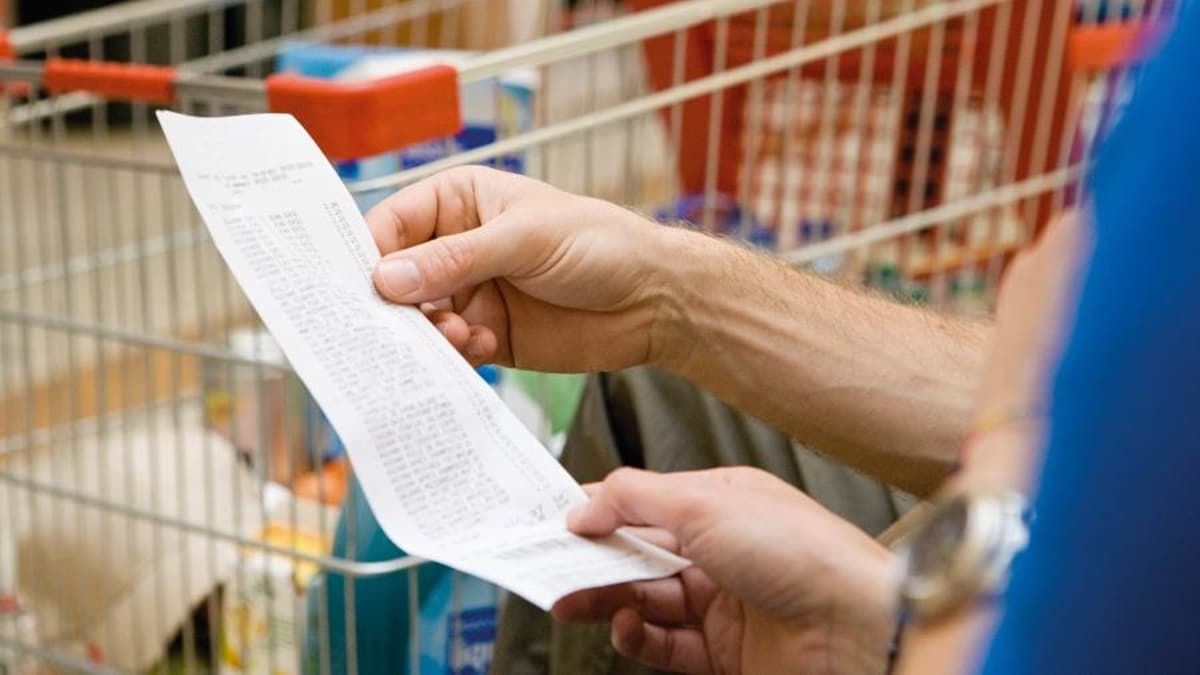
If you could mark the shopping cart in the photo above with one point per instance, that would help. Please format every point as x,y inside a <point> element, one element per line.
<point>168,492</point>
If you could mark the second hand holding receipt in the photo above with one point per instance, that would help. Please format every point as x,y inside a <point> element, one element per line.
<point>449,472</point>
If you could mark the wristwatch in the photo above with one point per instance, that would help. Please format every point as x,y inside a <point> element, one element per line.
<point>960,552</point>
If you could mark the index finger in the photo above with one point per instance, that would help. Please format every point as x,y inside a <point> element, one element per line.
<point>439,205</point>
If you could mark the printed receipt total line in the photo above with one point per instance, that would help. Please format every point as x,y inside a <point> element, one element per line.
<point>449,472</point>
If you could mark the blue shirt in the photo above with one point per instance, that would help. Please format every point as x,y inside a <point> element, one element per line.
<point>1111,581</point>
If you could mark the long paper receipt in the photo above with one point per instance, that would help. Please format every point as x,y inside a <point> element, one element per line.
<point>449,472</point>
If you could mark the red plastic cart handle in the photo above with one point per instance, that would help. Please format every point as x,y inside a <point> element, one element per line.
<point>350,120</point>
<point>347,120</point>
<point>120,81</point>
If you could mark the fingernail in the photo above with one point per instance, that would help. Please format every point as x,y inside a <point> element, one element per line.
<point>444,329</point>
<point>399,277</point>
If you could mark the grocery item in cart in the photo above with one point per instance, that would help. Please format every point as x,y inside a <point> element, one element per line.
<point>266,412</point>
<point>113,587</point>
<point>458,626</point>
<point>383,625</point>
<point>263,616</point>
<point>456,614</point>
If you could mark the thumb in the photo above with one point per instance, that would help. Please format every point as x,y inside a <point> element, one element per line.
<point>444,266</point>
<point>628,496</point>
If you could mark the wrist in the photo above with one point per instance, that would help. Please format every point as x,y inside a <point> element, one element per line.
<point>1003,447</point>
<point>1005,457</point>
<point>679,282</point>
<point>863,621</point>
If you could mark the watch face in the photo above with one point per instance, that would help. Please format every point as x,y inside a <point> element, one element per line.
<point>935,545</point>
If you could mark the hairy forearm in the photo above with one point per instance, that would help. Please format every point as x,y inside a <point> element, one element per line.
<point>881,386</point>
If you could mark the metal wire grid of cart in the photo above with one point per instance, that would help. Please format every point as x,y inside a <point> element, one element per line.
<point>163,493</point>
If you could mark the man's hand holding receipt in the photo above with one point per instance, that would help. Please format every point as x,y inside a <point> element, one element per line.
<point>449,472</point>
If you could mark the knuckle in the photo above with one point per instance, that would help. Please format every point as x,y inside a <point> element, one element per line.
<point>736,474</point>
<point>620,488</point>
<point>621,478</point>
<point>693,506</point>
<point>455,257</point>
<point>460,174</point>
<point>671,654</point>
<point>749,477</point>
<point>641,598</point>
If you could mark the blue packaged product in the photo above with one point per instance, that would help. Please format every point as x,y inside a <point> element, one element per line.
<point>320,60</point>
<point>458,626</point>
